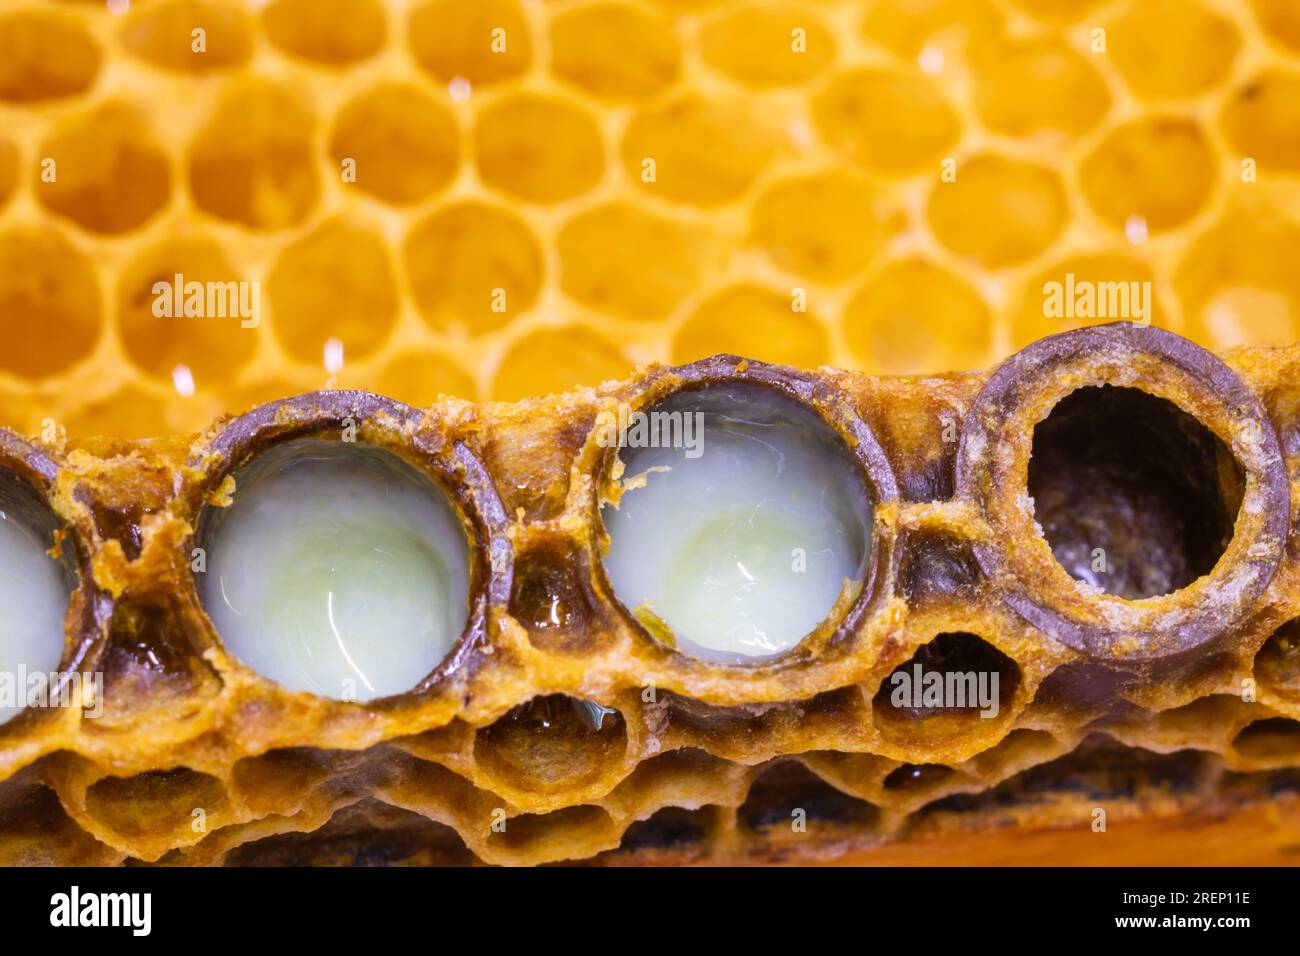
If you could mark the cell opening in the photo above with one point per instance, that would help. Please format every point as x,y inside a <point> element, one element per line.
<point>1134,495</point>
<point>743,523</point>
<point>955,676</point>
<point>551,744</point>
<point>549,598</point>
<point>337,568</point>
<point>789,795</point>
<point>674,830</point>
<point>1277,663</point>
<point>1270,738</point>
<point>367,833</point>
<point>155,802</point>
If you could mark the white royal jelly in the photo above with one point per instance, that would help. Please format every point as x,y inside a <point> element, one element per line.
<point>338,569</point>
<point>34,593</point>
<point>744,544</point>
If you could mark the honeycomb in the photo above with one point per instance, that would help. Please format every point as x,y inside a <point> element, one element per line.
<point>560,728</point>
<point>460,202</point>
<point>496,199</point>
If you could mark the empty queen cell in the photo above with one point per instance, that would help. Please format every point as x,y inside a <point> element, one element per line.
<point>736,542</point>
<point>338,569</point>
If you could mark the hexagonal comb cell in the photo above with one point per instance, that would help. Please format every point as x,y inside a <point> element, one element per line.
<point>367,833</point>
<point>154,803</point>
<point>1277,663</point>
<point>46,282</point>
<point>552,744</point>
<point>252,162</point>
<point>551,597</point>
<point>788,796</point>
<point>45,56</point>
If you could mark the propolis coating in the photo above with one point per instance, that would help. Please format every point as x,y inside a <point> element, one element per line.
<point>490,759</point>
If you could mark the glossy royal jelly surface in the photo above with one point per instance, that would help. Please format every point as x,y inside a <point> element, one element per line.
<point>34,593</point>
<point>748,528</point>
<point>338,570</point>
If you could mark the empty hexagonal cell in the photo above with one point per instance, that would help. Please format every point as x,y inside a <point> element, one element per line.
<point>167,34</point>
<point>556,359</point>
<point>938,567</point>
<point>761,323</point>
<point>695,151</point>
<point>915,316</point>
<point>551,599</point>
<point>156,804</point>
<point>1089,289</point>
<point>210,327</point>
<point>1134,495</point>
<point>1237,280</point>
<point>1172,48</point>
<point>473,265</point>
<point>615,50</point>
<point>788,796</point>
<point>1277,662</point>
<point>288,775</point>
<point>827,226</point>
<point>1280,19</point>
<point>892,123</point>
<point>743,523</point>
<point>338,569</point>
<point>620,259</point>
<point>336,283</point>
<point>45,55</point>
<point>767,44</point>
<point>45,283</point>
<point>951,680</point>
<point>675,831</point>
<point>570,833</point>
<point>1160,169</point>
<point>110,174</point>
<point>482,41</point>
<point>1270,739</point>
<point>366,833</point>
<point>334,33</point>
<point>552,744</point>
<point>404,143</point>
<point>1262,120</point>
<point>36,588</point>
<point>149,661</point>
<point>1040,85</point>
<point>538,148</point>
<point>39,832</point>
<point>999,211</point>
<point>253,161</point>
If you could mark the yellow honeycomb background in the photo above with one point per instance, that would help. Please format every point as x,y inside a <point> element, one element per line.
<point>549,193</point>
